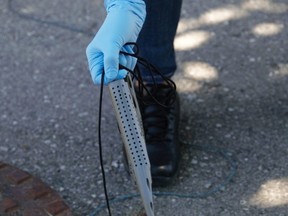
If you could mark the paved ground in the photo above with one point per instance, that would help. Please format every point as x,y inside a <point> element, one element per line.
<point>232,79</point>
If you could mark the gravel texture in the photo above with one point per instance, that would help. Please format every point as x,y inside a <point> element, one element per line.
<point>232,80</point>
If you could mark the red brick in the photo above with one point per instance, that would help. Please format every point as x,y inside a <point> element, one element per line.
<point>39,191</point>
<point>9,205</point>
<point>18,177</point>
<point>57,208</point>
<point>23,194</point>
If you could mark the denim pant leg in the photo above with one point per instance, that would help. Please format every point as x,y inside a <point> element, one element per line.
<point>157,35</point>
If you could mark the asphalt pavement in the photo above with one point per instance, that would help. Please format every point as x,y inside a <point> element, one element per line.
<point>232,79</point>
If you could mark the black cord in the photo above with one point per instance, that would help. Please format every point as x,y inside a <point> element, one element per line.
<point>228,156</point>
<point>100,145</point>
<point>224,153</point>
<point>153,70</point>
<point>145,62</point>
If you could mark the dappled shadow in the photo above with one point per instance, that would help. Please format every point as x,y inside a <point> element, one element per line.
<point>232,78</point>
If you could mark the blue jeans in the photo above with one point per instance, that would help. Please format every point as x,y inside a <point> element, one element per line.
<point>157,35</point>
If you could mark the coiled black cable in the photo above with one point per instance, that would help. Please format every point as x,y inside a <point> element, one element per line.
<point>230,158</point>
<point>222,152</point>
<point>136,74</point>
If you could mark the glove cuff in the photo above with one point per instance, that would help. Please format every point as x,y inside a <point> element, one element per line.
<point>138,7</point>
<point>109,3</point>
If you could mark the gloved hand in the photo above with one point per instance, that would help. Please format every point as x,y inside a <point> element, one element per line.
<point>122,24</point>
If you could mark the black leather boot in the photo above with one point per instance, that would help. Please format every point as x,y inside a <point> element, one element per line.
<point>161,133</point>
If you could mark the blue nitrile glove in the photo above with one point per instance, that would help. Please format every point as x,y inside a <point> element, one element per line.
<point>123,23</point>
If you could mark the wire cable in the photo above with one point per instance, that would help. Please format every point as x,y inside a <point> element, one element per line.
<point>228,156</point>
<point>100,145</point>
<point>206,148</point>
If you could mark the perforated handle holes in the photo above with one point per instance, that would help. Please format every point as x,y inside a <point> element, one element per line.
<point>129,124</point>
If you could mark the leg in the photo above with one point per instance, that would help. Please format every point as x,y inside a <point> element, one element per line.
<point>160,124</point>
<point>157,35</point>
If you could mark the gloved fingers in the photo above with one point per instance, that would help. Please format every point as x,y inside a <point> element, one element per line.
<point>131,61</point>
<point>122,74</point>
<point>111,63</point>
<point>96,74</point>
<point>123,60</point>
<point>96,65</point>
